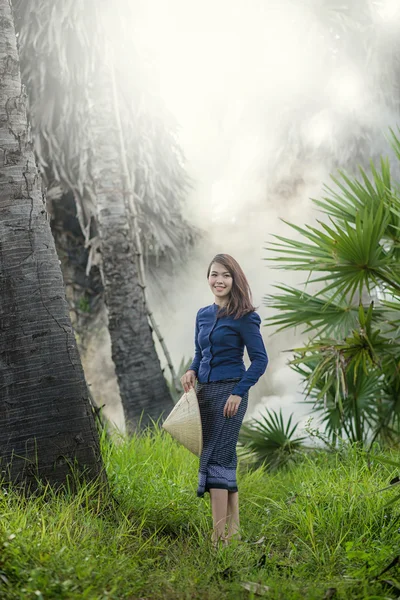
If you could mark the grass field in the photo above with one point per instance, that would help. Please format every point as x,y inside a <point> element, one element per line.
<point>319,530</point>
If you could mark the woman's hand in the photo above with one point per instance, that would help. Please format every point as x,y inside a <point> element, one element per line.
<point>231,406</point>
<point>188,380</point>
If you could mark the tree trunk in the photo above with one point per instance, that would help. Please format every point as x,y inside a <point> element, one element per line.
<point>143,389</point>
<point>46,421</point>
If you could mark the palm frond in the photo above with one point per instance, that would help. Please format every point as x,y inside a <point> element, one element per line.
<point>350,256</point>
<point>352,195</point>
<point>314,313</point>
<point>61,49</point>
<point>355,415</point>
<point>270,441</point>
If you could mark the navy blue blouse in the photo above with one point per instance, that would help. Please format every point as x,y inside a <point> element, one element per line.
<point>219,346</point>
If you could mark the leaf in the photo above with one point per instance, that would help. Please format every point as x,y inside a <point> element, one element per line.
<point>261,540</point>
<point>393,563</point>
<point>315,313</point>
<point>269,440</point>
<point>255,588</point>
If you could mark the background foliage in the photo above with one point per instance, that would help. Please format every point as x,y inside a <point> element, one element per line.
<point>61,48</point>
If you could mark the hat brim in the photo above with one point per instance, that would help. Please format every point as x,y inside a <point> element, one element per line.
<point>184,422</point>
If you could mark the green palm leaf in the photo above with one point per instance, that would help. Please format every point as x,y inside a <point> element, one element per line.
<point>270,441</point>
<point>358,414</point>
<point>350,255</point>
<point>318,313</point>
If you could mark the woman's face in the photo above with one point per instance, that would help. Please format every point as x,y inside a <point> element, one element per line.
<point>220,281</point>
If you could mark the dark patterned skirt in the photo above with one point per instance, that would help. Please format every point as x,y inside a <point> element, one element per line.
<point>218,459</point>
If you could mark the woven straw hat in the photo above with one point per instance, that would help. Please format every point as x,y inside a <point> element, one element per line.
<point>184,422</point>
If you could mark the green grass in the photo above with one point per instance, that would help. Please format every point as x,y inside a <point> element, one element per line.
<point>317,526</point>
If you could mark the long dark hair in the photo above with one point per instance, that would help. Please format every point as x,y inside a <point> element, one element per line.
<point>240,299</point>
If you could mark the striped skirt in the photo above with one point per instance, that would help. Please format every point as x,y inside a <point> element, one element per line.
<point>218,459</point>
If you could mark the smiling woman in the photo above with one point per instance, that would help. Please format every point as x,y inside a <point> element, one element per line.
<point>220,281</point>
<point>223,329</point>
<point>230,286</point>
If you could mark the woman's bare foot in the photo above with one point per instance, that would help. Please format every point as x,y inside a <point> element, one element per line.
<point>235,537</point>
<point>218,541</point>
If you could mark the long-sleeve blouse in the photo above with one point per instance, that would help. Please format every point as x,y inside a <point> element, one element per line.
<point>219,347</point>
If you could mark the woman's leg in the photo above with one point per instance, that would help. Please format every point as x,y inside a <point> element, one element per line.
<point>219,507</point>
<point>233,516</point>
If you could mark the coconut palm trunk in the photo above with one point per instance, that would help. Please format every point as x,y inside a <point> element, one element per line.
<point>144,391</point>
<point>46,421</point>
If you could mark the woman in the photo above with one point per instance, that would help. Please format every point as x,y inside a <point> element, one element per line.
<point>222,331</point>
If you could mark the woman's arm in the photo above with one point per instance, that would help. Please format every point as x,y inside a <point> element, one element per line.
<point>197,353</point>
<point>251,335</point>
<point>188,379</point>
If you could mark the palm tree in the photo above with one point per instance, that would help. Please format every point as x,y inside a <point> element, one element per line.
<point>143,388</point>
<point>73,117</point>
<point>351,362</point>
<point>47,424</point>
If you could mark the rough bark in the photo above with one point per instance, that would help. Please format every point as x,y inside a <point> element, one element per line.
<point>85,297</point>
<point>84,291</point>
<point>46,421</point>
<point>143,389</point>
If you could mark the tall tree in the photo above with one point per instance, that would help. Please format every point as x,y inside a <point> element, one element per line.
<point>74,115</point>
<point>46,421</point>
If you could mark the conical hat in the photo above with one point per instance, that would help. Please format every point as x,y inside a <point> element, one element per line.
<point>184,422</point>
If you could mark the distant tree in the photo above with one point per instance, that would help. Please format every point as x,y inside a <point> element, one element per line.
<point>353,97</point>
